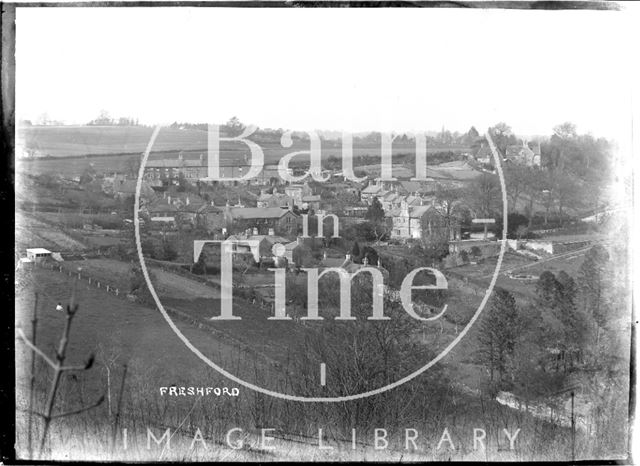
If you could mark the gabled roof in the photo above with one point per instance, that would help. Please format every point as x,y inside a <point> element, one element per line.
<point>411,186</point>
<point>292,245</point>
<point>208,208</point>
<point>267,197</point>
<point>390,196</point>
<point>191,207</point>
<point>515,151</point>
<point>414,211</point>
<point>414,200</point>
<point>536,149</point>
<point>175,163</point>
<point>268,238</point>
<point>38,251</point>
<point>332,262</point>
<point>161,205</point>
<point>483,152</point>
<point>372,189</point>
<point>183,196</point>
<point>256,212</point>
<point>129,187</point>
<point>418,211</point>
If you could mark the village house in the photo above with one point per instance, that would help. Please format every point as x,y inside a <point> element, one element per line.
<point>171,169</point>
<point>123,188</point>
<point>265,242</point>
<point>311,202</point>
<point>355,211</point>
<point>274,199</point>
<point>419,221</point>
<point>281,220</point>
<point>523,155</point>
<point>389,193</point>
<point>347,264</point>
<point>298,253</point>
<point>211,218</point>
<point>483,154</point>
<point>161,212</point>
<point>297,192</point>
<point>371,191</point>
<point>407,221</point>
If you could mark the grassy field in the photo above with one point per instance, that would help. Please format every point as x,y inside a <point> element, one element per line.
<point>57,141</point>
<point>167,284</point>
<point>31,233</point>
<point>139,333</point>
<point>139,336</point>
<point>525,289</point>
<point>73,149</point>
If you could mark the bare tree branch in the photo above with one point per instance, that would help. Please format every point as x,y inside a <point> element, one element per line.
<point>36,349</point>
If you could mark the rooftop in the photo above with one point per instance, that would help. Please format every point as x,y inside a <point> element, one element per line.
<point>38,251</point>
<point>256,212</point>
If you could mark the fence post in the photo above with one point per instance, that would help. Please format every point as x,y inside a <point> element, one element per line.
<point>107,287</point>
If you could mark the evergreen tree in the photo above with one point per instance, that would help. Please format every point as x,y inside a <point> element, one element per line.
<point>355,251</point>
<point>591,282</point>
<point>498,334</point>
<point>547,289</point>
<point>375,212</point>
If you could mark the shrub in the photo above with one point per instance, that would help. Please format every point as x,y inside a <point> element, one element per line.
<point>464,256</point>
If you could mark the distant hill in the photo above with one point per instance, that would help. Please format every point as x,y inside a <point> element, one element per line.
<point>65,141</point>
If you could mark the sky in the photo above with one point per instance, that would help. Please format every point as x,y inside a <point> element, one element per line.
<point>330,69</point>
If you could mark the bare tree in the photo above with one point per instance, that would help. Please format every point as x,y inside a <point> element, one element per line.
<point>58,370</point>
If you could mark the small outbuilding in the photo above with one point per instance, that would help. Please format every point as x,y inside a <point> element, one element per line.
<point>38,254</point>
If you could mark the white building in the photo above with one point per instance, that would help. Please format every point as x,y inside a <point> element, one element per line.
<point>37,254</point>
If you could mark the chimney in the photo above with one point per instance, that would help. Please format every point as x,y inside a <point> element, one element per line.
<point>379,262</point>
<point>255,231</point>
<point>324,255</point>
<point>348,256</point>
<point>365,261</point>
<point>187,200</point>
<point>271,232</point>
<point>212,204</point>
<point>169,200</point>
